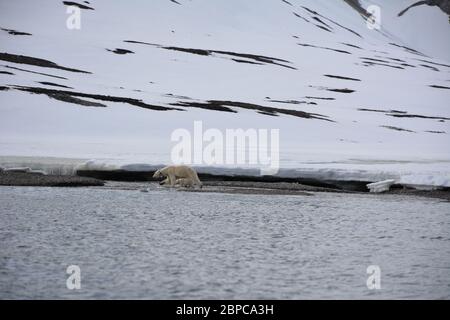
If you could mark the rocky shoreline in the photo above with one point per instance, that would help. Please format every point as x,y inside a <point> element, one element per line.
<point>8,178</point>
<point>40,180</point>
<point>289,188</point>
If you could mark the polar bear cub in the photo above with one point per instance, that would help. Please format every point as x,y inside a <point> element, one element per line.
<point>178,175</point>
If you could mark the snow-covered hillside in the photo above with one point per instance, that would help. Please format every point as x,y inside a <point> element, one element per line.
<point>350,102</point>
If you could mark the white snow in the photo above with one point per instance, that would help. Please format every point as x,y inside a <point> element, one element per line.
<point>357,145</point>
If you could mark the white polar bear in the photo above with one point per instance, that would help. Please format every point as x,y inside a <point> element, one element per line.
<point>178,175</point>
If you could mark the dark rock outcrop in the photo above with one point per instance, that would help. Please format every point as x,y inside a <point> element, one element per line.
<point>33,179</point>
<point>444,5</point>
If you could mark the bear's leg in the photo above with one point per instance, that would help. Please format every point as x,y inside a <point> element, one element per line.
<point>179,183</point>
<point>172,179</point>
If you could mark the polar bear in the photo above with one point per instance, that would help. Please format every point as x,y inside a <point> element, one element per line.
<point>184,182</point>
<point>178,175</point>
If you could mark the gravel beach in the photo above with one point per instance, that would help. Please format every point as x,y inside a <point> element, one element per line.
<point>229,187</point>
<point>39,180</point>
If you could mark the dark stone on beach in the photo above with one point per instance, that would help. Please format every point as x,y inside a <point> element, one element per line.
<point>39,180</point>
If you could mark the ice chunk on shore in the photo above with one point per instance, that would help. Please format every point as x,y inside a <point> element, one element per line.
<point>381,186</point>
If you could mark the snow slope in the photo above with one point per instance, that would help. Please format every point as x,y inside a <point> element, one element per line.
<point>393,122</point>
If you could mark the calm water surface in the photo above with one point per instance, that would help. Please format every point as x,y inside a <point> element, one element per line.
<point>166,244</point>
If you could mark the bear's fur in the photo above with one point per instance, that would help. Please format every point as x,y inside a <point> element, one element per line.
<point>178,175</point>
<point>183,182</point>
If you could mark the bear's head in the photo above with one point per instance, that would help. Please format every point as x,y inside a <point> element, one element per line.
<point>157,174</point>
